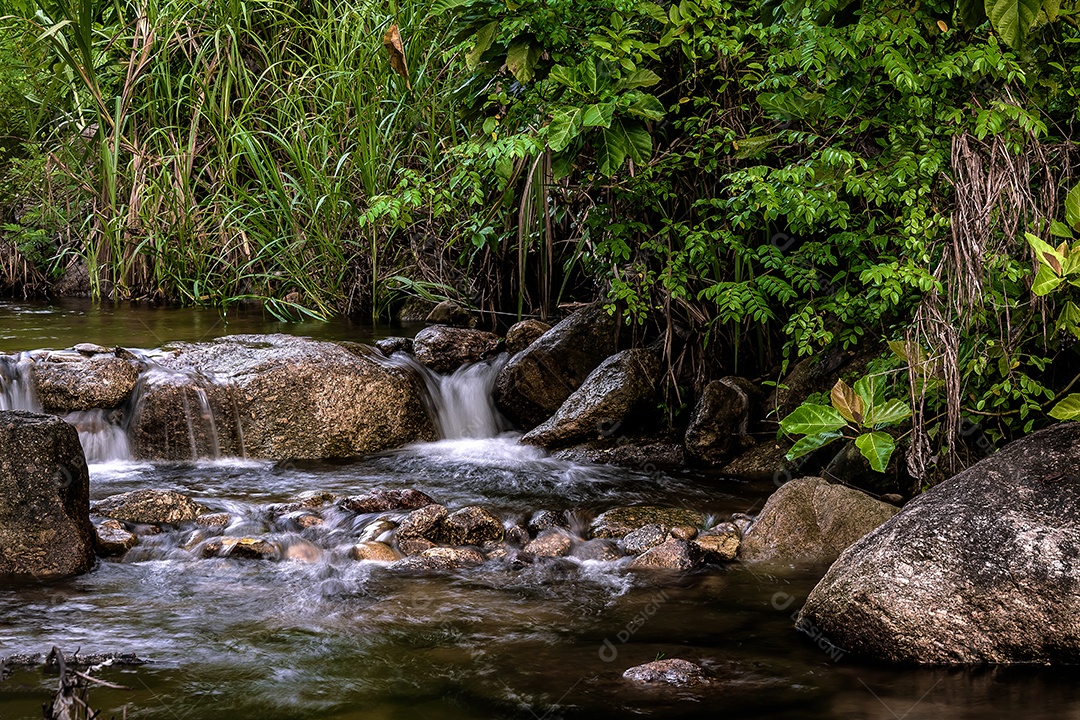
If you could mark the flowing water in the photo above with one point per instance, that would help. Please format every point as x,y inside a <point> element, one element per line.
<point>315,634</point>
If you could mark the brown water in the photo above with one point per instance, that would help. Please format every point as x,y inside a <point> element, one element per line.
<point>328,637</point>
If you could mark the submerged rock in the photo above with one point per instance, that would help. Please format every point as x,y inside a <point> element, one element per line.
<point>45,529</point>
<point>811,520</point>
<point>113,538</point>
<point>470,526</point>
<point>620,522</point>
<point>612,394</point>
<point>670,555</point>
<point>374,551</point>
<point>150,507</point>
<point>241,547</point>
<point>387,501</point>
<point>68,383</point>
<point>445,349</point>
<point>441,558</point>
<point>672,671</point>
<point>523,334</point>
<point>719,425</point>
<point>537,380</point>
<point>719,544</point>
<point>276,396</point>
<point>599,549</point>
<point>983,568</point>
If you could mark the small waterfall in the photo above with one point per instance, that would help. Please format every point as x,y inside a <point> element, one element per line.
<point>16,384</point>
<point>103,438</point>
<point>461,402</point>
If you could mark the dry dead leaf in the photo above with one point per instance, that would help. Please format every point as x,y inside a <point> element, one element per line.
<point>394,48</point>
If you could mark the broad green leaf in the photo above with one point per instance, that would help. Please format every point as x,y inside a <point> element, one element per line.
<point>972,13</point>
<point>889,412</point>
<point>521,59</point>
<point>587,77</point>
<point>1068,408</point>
<point>1061,230</point>
<point>812,419</point>
<point>565,76</point>
<point>610,152</point>
<point>565,126</point>
<point>637,139</point>
<point>847,403</point>
<point>646,106</point>
<point>810,443</point>
<point>1045,253</point>
<point>598,115</point>
<point>654,11</point>
<point>877,447</point>
<point>871,389</point>
<point>1045,281</point>
<point>1012,19</point>
<point>639,79</point>
<point>1069,319</point>
<point>485,36</point>
<point>1072,208</point>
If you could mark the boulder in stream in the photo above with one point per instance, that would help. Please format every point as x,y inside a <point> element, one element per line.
<point>718,544</point>
<point>670,671</point>
<point>441,559</point>
<point>621,521</point>
<point>276,396</point>
<point>150,507</point>
<point>523,334</point>
<point>610,396</point>
<point>45,529</point>
<point>811,520</point>
<point>450,313</point>
<point>537,380</point>
<point>70,382</point>
<point>244,548</point>
<point>644,538</point>
<point>669,555</point>
<point>113,538</point>
<point>550,543</point>
<point>424,523</point>
<point>445,349</point>
<point>470,526</point>
<point>387,501</point>
<point>374,551</point>
<point>983,568</point>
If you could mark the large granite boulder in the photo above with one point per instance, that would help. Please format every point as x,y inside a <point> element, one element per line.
<point>445,349</point>
<point>719,425</point>
<point>611,395</point>
<point>538,380</point>
<point>67,382</point>
<point>45,529</point>
<point>984,568</point>
<point>276,396</point>
<point>812,521</point>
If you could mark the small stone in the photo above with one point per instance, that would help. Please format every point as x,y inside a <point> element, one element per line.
<point>150,507</point>
<point>684,532</point>
<point>441,558</point>
<point>620,522</point>
<point>669,672</point>
<point>304,501</point>
<point>550,543</point>
<point>113,538</point>
<point>599,549</point>
<point>303,552</point>
<point>547,519</point>
<point>374,530</point>
<point>240,547</point>
<point>517,535</point>
<point>893,499</point>
<point>213,519</point>
<point>671,555</point>
<point>719,544</point>
<point>422,523</point>
<point>389,346</point>
<point>470,526</point>
<point>644,538</point>
<point>374,552</point>
<point>387,501</point>
<point>89,349</point>
<point>414,546</point>
<point>523,334</point>
<point>305,520</point>
<point>450,313</point>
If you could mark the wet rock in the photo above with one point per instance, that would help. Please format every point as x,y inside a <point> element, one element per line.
<point>640,453</point>
<point>389,346</point>
<point>45,529</point>
<point>537,380</point>
<point>374,551</point>
<point>550,543</point>
<point>671,671</point>
<point>150,507</point>
<point>422,523</point>
<point>113,538</point>
<point>670,555</point>
<point>441,559</point>
<point>684,532</point>
<point>546,519</point>
<point>719,425</point>
<point>470,526</point>
<point>523,334</point>
<point>720,544</point>
<point>810,520</point>
<point>414,546</point>
<point>373,530</point>
<point>240,547</point>
<point>983,568</point>
<point>67,383</point>
<point>445,349</point>
<point>816,374</point>
<point>387,501</point>
<point>620,522</point>
<point>742,523</point>
<point>612,394</point>
<point>450,313</point>
<point>764,459</point>
<point>599,549</point>
<point>301,520</point>
<point>893,499</point>
<point>644,538</point>
<point>90,349</point>
<point>302,551</point>
<point>276,396</point>
<point>212,520</point>
<point>305,501</point>
<point>517,535</point>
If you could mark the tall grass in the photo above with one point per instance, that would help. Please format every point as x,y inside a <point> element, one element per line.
<point>234,149</point>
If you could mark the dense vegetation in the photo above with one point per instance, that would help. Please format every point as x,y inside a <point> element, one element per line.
<point>753,183</point>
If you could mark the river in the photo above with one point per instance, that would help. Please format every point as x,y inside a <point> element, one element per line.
<point>323,636</point>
